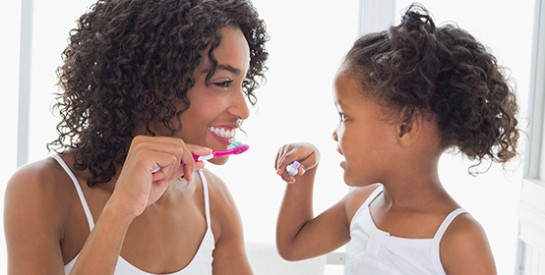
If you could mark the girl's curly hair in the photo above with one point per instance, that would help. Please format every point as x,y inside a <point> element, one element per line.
<point>443,72</point>
<point>128,59</point>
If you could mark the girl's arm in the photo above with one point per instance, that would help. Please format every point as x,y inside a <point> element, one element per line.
<point>300,235</point>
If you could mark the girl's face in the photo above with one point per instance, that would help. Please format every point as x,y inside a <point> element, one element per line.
<point>217,107</point>
<point>365,137</point>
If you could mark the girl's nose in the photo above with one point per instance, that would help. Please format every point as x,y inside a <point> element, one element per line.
<point>335,137</point>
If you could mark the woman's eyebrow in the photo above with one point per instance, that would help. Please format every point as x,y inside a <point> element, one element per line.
<point>228,68</point>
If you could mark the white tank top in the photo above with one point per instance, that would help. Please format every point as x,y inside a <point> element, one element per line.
<point>200,264</point>
<point>373,251</point>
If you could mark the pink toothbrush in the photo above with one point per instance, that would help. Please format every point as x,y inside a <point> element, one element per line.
<point>234,148</point>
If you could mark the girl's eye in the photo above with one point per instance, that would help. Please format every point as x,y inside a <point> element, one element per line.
<point>343,117</point>
<point>224,84</point>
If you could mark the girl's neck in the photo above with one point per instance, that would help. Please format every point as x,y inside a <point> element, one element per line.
<point>415,189</point>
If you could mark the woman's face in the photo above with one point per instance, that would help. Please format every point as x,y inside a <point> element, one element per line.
<point>218,106</point>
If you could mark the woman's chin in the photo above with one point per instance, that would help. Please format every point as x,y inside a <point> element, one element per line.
<point>219,161</point>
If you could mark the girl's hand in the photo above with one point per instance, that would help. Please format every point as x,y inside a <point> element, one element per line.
<point>305,153</point>
<point>137,186</point>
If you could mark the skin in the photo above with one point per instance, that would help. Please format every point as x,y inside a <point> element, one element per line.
<point>377,147</point>
<point>155,221</point>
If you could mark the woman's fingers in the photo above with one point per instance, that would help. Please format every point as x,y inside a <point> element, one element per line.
<point>184,164</point>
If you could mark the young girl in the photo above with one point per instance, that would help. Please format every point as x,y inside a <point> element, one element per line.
<point>404,97</point>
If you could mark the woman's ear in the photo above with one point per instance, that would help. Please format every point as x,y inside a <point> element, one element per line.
<point>410,127</point>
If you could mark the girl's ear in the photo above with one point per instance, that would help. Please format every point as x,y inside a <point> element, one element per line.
<point>410,127</point>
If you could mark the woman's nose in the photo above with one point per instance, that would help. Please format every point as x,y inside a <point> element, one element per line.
<point>240,106</point>
<point>334,136</point>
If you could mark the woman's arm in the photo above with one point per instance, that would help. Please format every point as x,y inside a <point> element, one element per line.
<point>229,253</point>
<point>136,188</point>
<point>35,214</point>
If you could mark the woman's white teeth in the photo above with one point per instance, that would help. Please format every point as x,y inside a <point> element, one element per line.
<point>223,132</point>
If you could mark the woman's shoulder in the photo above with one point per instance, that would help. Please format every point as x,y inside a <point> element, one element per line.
<point>41,184</point>
<point>216,186</point>
<point>223,211</point>
<point>38,175</point>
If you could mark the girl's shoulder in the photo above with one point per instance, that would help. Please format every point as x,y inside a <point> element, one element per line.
<point>464,244</point>
<point>356,197</point>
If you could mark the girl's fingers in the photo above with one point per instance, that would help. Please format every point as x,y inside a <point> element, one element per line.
<point>294,160</point>
<point>280,157</point>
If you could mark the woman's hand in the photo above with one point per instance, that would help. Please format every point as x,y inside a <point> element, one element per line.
<point>304,153</point>
<point>140,184</point>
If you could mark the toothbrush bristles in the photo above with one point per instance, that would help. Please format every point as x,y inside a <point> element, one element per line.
<point>233,145</point>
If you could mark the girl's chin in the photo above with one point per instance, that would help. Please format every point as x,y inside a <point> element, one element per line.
<point>350,180</point>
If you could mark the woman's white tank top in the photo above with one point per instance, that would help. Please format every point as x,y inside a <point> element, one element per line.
<point>201,262</point>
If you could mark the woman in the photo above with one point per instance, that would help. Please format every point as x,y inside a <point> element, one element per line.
<point>147,84</point>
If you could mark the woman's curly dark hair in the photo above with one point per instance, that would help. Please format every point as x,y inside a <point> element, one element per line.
<point>445,73</point>
<point>128,62</point>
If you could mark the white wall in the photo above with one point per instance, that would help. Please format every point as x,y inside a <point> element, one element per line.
<point>9,75</point>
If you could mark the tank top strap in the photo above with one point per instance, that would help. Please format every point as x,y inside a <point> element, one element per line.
<point>436,257</point>
<point>365,205</point>
<point>206,197</point>
<point>82,199</point>
<point>373,195</point>
<point>444,225</point>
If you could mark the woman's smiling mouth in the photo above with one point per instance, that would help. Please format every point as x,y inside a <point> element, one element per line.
<point>224,134</point>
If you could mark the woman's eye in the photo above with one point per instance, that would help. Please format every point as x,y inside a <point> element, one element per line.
<point>224,84</point>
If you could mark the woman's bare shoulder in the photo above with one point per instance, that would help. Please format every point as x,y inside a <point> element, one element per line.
<point>223,209</point>
<point>217,187</point>
<point>39,186</point>
<point>38,201</point>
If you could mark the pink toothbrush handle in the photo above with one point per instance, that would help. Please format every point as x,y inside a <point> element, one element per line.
<point>237,150</point>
